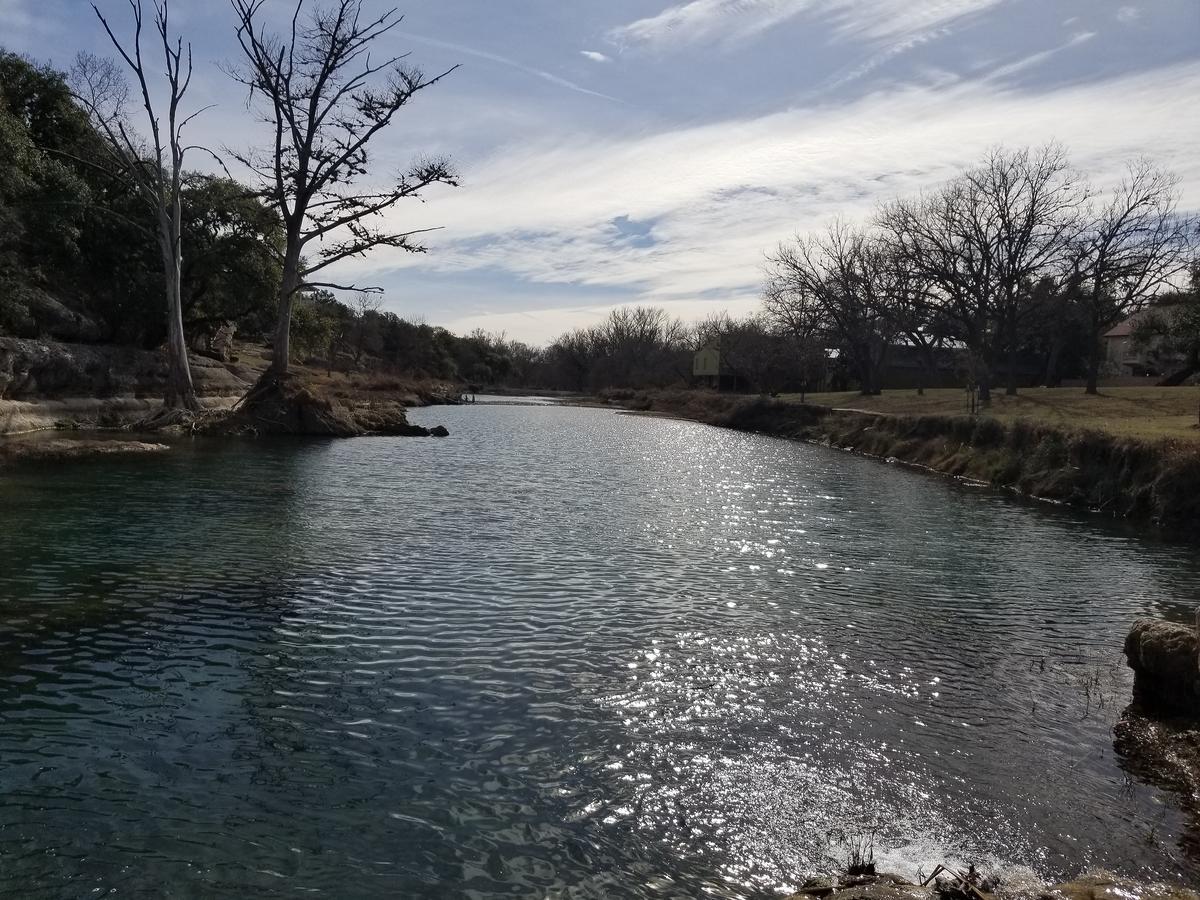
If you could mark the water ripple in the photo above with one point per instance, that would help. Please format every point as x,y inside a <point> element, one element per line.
<point>562,654</point>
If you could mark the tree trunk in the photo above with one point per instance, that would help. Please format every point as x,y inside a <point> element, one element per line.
<point>866,382</point>
<point>1050,377</point>
<point>928,371</point>
<point>281,343</point>
<point>1011,386</point>
<point>180,392</point>
<point>984,383</point>
<point>1093,370</point>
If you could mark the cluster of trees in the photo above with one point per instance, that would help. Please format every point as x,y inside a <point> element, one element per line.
<point>106,234</point>
<point>1017,257</point>
<point>78,259</point>
<point>326,331</point>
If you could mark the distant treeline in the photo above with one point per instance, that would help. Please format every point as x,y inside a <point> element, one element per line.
<point>1016,264</point>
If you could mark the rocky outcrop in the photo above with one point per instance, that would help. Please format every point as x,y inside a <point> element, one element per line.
<point>289,405</point>
<point>45,370</point>
<point>1165,658</point>
<point>49,385</point>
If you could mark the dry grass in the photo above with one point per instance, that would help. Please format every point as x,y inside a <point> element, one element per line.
<point>1149,413</point>
<point>366,386</point>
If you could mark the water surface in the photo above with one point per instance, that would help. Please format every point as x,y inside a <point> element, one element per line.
<point>563,653</point>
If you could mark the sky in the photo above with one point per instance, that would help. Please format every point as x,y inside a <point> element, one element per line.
<point>643,151</point>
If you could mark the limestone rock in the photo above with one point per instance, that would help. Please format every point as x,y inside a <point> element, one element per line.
<point>1166,666</point>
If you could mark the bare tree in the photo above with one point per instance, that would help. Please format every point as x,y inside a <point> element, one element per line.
<point>1130,248</point>
<point>837,280</point>
<point>325,99</point>
<point>153,167</point>
<point>982,240</point>
<point>1025,212</point>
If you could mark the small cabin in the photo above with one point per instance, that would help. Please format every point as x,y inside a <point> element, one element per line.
<point>707,362</point>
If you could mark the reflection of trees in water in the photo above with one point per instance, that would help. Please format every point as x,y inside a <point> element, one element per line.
<point>126,627</point>
<point>109,533</point>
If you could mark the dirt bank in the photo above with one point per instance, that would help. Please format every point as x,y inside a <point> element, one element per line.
<point>1123,477</point>
<point>46,385</point>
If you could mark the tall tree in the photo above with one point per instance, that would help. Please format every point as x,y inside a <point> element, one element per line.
<point>982,240</point>
<point>155,168</point>
<point>325,100</point>
<point>1026,207</point>
<point>1129,249</point>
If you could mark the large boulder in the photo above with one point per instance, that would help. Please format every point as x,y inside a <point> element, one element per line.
<point>1165,658</point>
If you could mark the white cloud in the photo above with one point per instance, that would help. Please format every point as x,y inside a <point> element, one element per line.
<point>511,63</point>
<point>541,326</point>
<point>1036,59</point>
<point>704,21</point>
<point>596,56</point>
<point>721,195</point>
<point>1128,14</point>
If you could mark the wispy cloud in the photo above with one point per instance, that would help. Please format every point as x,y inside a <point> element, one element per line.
<point>706,21</point>
<point>596,56</point>
<point>1034,60</point>
<point>511,63</point>
<point>1128,14</point>
<point>722,194</point>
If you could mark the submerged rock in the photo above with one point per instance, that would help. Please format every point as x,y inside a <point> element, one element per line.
<point>868,887</point>
<point>1165,658</point>
<point>72,447</point>
<point>1166,754</point>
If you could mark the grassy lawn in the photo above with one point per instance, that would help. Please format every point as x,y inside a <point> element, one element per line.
<point>1145,412</point>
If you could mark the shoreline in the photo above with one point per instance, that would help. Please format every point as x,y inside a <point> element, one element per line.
<point>81,391</point>
<point>1143,482</point>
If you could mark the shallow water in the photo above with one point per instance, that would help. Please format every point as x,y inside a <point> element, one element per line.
<point>563,653</point>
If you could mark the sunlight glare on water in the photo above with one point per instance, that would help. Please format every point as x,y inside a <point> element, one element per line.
<point>562,653</point>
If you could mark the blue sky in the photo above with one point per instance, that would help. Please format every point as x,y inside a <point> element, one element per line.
<point>643,151</point>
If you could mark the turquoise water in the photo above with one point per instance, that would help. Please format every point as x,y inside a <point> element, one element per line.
<point>562,653</point>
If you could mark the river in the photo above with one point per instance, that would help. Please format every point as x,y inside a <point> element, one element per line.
<point>562,653</point>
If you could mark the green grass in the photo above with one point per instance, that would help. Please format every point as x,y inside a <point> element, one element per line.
<point>1150,413</point>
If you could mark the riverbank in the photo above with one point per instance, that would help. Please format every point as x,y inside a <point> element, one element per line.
<point>1147,480</point>
<point>82,389</point>
<point>1145,412</point>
